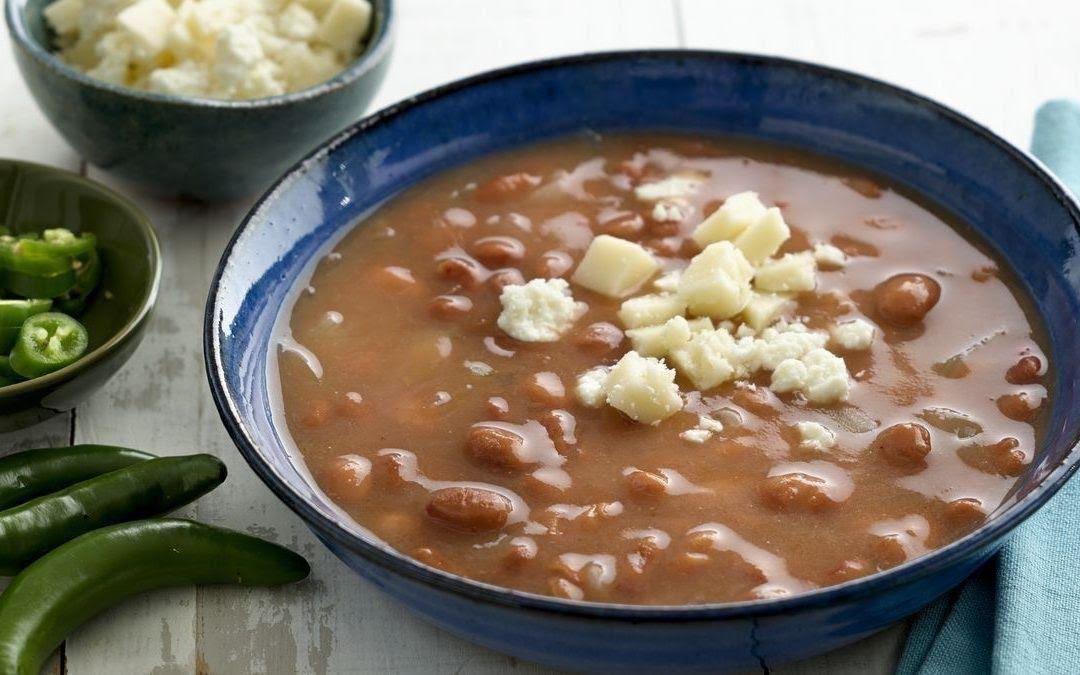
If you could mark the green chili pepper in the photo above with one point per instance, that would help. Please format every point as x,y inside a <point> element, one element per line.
<point>13,313</point>
<point>142,490</point>
<point>57,243</point>
<point>48,342</point>
<point>86,576</point>
<point>15,257</point>
<point>32,473</point>
<point>28,285</point>
<point>87,277</point>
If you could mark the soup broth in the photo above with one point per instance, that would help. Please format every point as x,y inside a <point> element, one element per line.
<point>488,456</point>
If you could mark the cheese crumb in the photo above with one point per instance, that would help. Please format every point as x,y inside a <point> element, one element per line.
<point>763,238</point>
<point>820,375</point>
<point>815,436</point>
<point>643,388</point>
<point>614,267</point>
<point>696,435</point>
<point>590,387</point>
<point>706,427</point>
<point>764,309</point>
<point>828,256</point>
<point>478,368</point>
<point>661,340</point>
<point>671,211</point>
<point>716,283</point>
<point>649,310</point>
<point>738,212</point>
<point>668,282</point>
<point>539,311</point>
<point>677,186</point>
<point>853,335</point>
<point>791,273</point>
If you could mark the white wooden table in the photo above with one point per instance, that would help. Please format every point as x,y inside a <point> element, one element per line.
<point>995,60</point>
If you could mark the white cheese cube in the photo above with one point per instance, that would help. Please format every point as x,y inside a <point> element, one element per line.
<point>815,436</point>
<point>590,387</point>
<point>792,273</point>
<point>303,66</point>
<point>738,212</point>
<point>660,340</point>
<point>828,256</point>
<point>763,238</point>
<point>643,389</point>
<point>826,377</point>
<point>668,282</point>
<point>700,324</point>
<point>650,310</point>
<point>185,79</point>
<point>672,187</point>
<point>539,311</point>
<point>614,267</point>
<point>764,309</point>
<point>148,22</point>
<point>296,22</point>
<point>717,281</point>
<point>703,360</point>
<point>853,335</point>
<point>344,24</point>
<point>63,15</point>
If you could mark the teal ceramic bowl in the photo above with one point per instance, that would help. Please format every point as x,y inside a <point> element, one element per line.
<point>35,197</point>
<point>202,148</point>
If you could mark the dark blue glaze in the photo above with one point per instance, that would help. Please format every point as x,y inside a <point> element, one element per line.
<point>202,148</point>
<point>1020,211</point>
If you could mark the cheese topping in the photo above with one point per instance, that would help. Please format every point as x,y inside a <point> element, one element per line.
<point>539,311</point>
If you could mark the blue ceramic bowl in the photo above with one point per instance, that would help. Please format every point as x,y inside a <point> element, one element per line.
<point>201,148</point>
<point>1017,207</point>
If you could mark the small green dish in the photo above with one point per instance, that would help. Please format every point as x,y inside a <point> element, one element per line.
<point>35,197</point>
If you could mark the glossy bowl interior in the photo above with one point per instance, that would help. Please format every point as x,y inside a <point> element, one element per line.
<point>197,147</point>
<point>35,197</point>
<point>1016,207</point>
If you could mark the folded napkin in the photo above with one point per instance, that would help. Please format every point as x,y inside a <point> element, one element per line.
<point>1020,612</point>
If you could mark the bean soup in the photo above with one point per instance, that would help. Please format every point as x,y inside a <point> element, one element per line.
<point>653,369</point>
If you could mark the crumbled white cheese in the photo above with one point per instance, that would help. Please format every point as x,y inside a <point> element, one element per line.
<point>643,388</point>
<point>229,49</point>
<point>699,324</point>
<point>695,435</point>
<point>660,340</point>
<point>716,283</point>
<point>815,436</point>
<point>668,282</point>
<point>763,238</point>
<point>764,309</point>
<point>854,335</point>
<point>676,186</point>
<point>590,387</point>
<point>738,212</point>
<point>649,310</point>
<point>709,424</point>
<point>828,256</point>
<point>671,211</point>
<point>791,273</point>
<point>820,375</point>
<point>478,368</point>
<point>538,311</point>
<point>704,359</point>
<point>614,267</point>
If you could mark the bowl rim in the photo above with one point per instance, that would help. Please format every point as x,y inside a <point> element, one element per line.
<point>146,303</point>
<point>375,52</point>
<point>988,534</point>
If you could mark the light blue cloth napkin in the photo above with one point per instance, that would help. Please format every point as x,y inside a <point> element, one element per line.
<point>1020,613</point>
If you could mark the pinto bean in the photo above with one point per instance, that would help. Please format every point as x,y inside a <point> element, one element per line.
<point>904,299</point>
<point>494,447</point>
<point>599,338</point>
<point>346,478</point>
<point>450,307</point>
<point>757,400</point>
<point>624,225</point>
<point>317,413</point>
<point>905,445</point>
<point>469,509</point>
<point>500,279</point>
<point>1004,458</point>
<point>554,264</point>
<point>506,187</point>
<point>645,485</point>
<point>964,514</point>
<point>497,407</point>
<point>845,570</point>
<point>795,492</point>
<point>563,588</point>
<point>1024,371</point>
<point>546,389</point>
<point>1020,407</point>
<point>498,251</point>
<point>461,271</point>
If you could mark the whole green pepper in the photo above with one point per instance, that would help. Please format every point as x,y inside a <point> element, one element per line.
<point>32,473</point>
<point>86,576</point>
<point>151,488</point>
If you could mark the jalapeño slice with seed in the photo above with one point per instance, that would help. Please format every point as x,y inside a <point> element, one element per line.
<point>48,342</point>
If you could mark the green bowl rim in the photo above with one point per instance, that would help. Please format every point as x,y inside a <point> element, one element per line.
<point>146,304</point>
<point>375,52</point>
